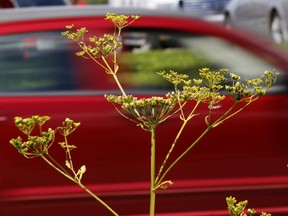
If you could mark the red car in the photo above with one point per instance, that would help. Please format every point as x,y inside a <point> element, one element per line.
<point>246,157</point>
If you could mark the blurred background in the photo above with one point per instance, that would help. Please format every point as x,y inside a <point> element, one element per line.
<point>267,19</point>
<point>264,18</point>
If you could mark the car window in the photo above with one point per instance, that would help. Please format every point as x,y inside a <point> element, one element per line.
<point>45,63</point>
<point>29,3</point>
<point>148,51</point>
<point>35,62</point>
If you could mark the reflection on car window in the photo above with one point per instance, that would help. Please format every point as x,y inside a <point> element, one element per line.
<point>45,62</point>
<point>38,61</point>
<point>150,51</point>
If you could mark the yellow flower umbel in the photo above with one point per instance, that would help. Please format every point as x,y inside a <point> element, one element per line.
<point>145,112</point>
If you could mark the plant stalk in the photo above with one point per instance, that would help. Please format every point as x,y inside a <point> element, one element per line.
<point>119,84</point>
<point>152,170</point>
<point>185,121</point>
<point>76,181</point>
<point>97,198</point>
<point>183,154</point>
<point>217,122</point>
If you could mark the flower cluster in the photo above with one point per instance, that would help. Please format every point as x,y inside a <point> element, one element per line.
<point>175,78</point>
<point>204,90</point>
<point>68,127</point>
<point>202,94</point>
<point>35,145</point>
<point>209,89</point>
<point>121,21</point>
<point>146,112</point>
<point>238,208</point>
<point>214,80</point>
<point>74,35</point>
<point>38,145</point>
<point>241,90</point>
<point>99,47</point>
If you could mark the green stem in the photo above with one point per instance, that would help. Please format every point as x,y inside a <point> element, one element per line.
<point>252,99</point>
<point>68,155</point>
<point>97,198</point>
<point>182,155</point>
<point>185,121</point>
<point>56,168</point>
<point>106,66</point>
<point>152,170</point>
<point>171,149</point>
<point>118,84</point>
<point>56,164</point>
<point>92,57</point>
<point>117,38</point>
<point>80,184</point>
<point>209,127</point>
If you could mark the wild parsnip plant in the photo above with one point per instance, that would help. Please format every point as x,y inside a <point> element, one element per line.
<point>148,113</point>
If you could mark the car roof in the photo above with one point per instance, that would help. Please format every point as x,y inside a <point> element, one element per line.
<point>17,14</point>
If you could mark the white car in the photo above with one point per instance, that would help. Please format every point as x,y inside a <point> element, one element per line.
<point>265,17</point>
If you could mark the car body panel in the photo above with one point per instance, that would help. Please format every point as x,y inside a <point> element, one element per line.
<point>248,160</point>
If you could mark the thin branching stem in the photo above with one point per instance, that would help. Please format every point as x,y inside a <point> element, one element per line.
<point>92,57</point>
<point>119,84</point>
<point>185,121</point>
<point>68,155</point>
<point>66,174</point>
<point>56,163</point>
<point>251,99</point>
<point>182,155</point>
<point>107,67</point>
<point>224,117</point>
<point>97,198</point>
<point>76,181</point>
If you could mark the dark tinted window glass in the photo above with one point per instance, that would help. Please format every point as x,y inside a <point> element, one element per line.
<point>35,62</point>
<point>29,3</point>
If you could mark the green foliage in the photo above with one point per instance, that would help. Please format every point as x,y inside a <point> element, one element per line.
<point>143,64</point>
